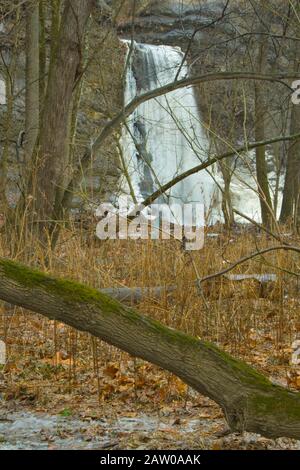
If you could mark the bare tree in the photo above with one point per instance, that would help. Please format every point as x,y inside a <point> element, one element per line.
<point>65,71</point>
<point>291,193</point>
<point>32,78</point>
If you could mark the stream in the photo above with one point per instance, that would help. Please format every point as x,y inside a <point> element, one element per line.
<point>25,430</point>
<point>38,431</point>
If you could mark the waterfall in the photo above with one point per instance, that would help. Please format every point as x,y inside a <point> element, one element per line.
<point>164,136</point>
<point>2,92</point>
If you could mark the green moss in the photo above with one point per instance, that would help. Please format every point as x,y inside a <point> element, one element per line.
<point>66,412</point>
<point>71,291</point>
<point>68,290</point>
<point>248,373</point>
<point>239,369</point>
<point>283,402</point>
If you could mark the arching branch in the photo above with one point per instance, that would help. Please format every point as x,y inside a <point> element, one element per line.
<point>115,122</point>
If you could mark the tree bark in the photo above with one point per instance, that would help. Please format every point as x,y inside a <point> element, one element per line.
<point>32,78</point>
<point>64,72</point>
<point>42,52</point>
<point>290,199</point>
<point>260,152</point>
<point>249,400</point>
<point>227,209</point>
<point>291,191</point>
<point>134,295</point>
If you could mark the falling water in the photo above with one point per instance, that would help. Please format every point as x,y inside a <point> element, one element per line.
<point>2,92</point>
<point>164,136</point>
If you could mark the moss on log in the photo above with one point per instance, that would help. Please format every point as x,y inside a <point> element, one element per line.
<point>249,400</point>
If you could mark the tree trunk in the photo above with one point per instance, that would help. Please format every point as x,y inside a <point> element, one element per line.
<point>250,401</point>
<point>64,72</point>
<point>261,165</point>
<point>42,51</point>
<point>227,209</point>
<point>7,131</point>
<point>32,78</point>
<point>290,200</point>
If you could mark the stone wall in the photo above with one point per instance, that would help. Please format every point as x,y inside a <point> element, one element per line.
<point>214,48</point>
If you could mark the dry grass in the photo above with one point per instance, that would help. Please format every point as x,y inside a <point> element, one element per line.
<point>50,363</point>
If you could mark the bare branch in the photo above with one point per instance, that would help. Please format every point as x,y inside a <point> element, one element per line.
<point>176,85</point>
<point>248,257</point>
<point>213,160</point>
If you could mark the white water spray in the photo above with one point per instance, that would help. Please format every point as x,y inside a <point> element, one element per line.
<point>164,136</point>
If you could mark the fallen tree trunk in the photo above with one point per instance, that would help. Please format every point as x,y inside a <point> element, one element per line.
<point>135,295</point>
<point>249,400</point>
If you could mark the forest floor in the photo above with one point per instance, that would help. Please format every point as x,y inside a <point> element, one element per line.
<point>64,389</point>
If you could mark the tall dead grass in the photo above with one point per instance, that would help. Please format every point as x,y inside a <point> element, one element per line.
<point>234,315</point>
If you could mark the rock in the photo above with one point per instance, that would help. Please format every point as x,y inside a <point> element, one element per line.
<point>171,22</point>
